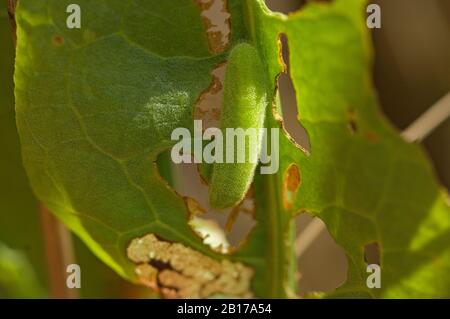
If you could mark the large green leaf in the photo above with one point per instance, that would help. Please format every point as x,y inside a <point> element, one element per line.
<point>96,107</point>
<point>361,178</point>
<point>23,271</point>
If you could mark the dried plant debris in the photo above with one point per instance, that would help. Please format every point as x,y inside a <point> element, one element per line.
<point>282,42</point>
<point>217,20</point>
<point>193,206</point>
<point>291,183</point>
<point>177,271</point>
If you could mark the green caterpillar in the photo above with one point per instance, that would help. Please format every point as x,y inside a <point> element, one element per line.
<point>245,101</point>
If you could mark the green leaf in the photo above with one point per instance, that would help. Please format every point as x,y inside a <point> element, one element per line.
<point>17,276</point>
<point>96,106</point>
<point>361,178</point>
<point>23,271</point>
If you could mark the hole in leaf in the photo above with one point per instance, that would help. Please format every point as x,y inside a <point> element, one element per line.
<point>243,213</point>
<point>211,232</point>
<point>322,263</point>
<point>208,106</point>
<point>291,183</point>
<point>224,231</point>
<point>290,119</point>
<point>194,207</point>
<point>285,6</point>
<point>372,254</point>
<point>217,20</point>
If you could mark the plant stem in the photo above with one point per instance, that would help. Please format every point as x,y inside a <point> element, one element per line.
<point>280,230</point>
<point>428,121</point>
<point>12,17</point>
<point>59,254</point>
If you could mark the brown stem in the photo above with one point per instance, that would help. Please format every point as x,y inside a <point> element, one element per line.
<point>12,4</point>
<point>59,254</point>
